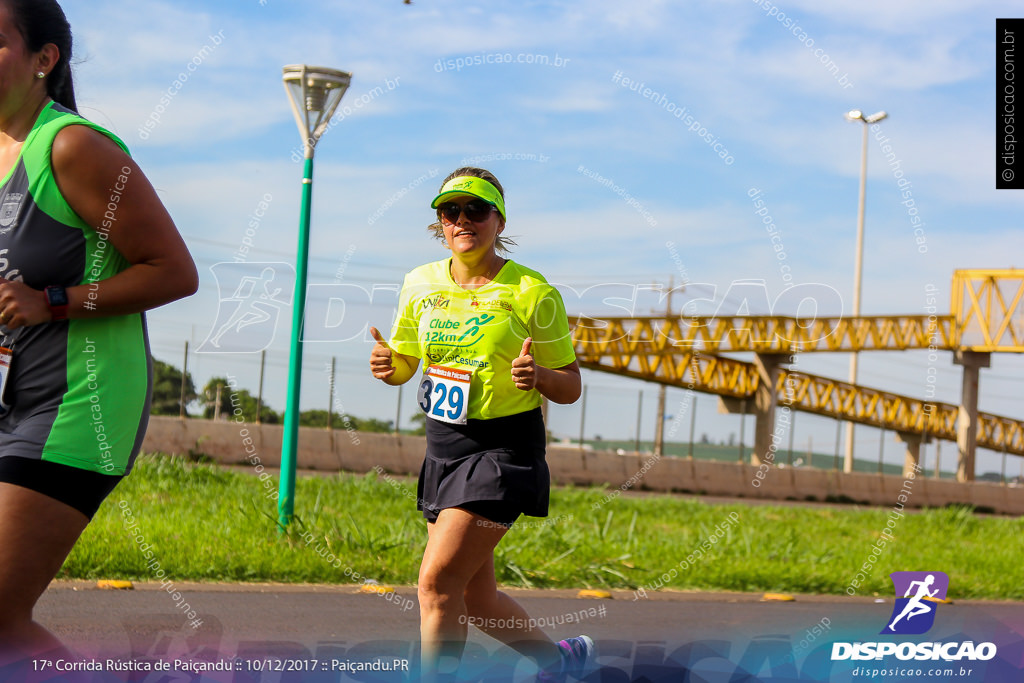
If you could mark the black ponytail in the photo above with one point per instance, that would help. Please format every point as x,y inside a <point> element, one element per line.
<point>41,22</point>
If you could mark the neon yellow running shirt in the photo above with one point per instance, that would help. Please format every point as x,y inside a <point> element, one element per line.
<point>482,331</point>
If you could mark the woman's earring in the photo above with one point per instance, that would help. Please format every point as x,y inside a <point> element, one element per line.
<point>40,75</point>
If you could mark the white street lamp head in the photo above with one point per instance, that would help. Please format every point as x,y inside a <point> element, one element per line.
<point>858,115</point>
<point>315,93</point>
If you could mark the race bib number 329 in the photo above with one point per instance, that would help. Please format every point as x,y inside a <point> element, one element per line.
<point>444,394</point>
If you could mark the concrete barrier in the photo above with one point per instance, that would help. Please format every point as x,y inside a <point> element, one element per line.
<point>230,442</point>
<point>811,484</point>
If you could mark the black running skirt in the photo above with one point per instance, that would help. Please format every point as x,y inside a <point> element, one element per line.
<point>486,460</point>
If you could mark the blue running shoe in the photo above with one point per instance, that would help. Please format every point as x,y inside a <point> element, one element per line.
<point>577,656</point>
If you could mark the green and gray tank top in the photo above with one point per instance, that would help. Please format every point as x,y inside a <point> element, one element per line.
<point>79,390</point>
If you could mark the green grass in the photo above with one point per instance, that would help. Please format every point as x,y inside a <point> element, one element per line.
<point>210,524</point>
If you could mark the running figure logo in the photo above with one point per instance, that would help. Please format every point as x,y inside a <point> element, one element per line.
<point>914,612</point>
<point>252,296</point>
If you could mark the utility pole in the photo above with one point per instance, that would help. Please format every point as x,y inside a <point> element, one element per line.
<point>330,401</point>
<point>216,405</point>
<point>184,376</point>
<point>398,410</point>
<point>259,399</point>
<point>639,415</point>
<point>659,425</point>
<point>583,414</point>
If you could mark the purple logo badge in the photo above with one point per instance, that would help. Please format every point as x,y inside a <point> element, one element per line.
<point>917,596</point>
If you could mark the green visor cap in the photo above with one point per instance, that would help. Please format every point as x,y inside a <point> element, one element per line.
<point>471,186</point>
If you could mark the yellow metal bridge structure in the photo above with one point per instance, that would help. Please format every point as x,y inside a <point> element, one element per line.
<point>987,315</point>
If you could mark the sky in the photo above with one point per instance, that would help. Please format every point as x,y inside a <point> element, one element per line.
<point>633,140</point>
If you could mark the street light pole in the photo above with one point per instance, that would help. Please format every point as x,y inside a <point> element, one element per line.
<point>314,93</point>
<point>857,115</point>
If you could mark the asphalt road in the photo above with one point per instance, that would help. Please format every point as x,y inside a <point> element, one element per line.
<point>316,633</point>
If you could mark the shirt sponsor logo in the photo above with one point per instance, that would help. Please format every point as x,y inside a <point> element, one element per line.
<point>436,302</point>
<point>9,210</point>
<point>492,303</point>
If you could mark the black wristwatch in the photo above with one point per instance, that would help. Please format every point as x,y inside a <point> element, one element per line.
<point>57,301</point>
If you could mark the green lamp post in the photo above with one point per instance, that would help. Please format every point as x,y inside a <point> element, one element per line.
<point>314,93</point>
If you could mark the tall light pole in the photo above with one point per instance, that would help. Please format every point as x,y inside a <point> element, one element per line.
<point>858,115</point>
<point>314,93</point>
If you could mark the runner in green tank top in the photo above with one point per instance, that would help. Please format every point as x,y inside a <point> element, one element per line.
<point>85,248</point>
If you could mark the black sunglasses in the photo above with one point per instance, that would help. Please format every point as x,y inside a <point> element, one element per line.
<point>475,211</point>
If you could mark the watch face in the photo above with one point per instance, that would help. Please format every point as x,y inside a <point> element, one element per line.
<point>57,296</point>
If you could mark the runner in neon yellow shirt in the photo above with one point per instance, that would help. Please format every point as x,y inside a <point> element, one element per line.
<point>482,330</point>
<point>494,340</point>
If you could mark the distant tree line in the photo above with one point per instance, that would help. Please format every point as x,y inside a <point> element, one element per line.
<point>167,398</point>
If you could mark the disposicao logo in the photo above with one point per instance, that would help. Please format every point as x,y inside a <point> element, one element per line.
<point>914,612</point>
<point>917,598</point>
